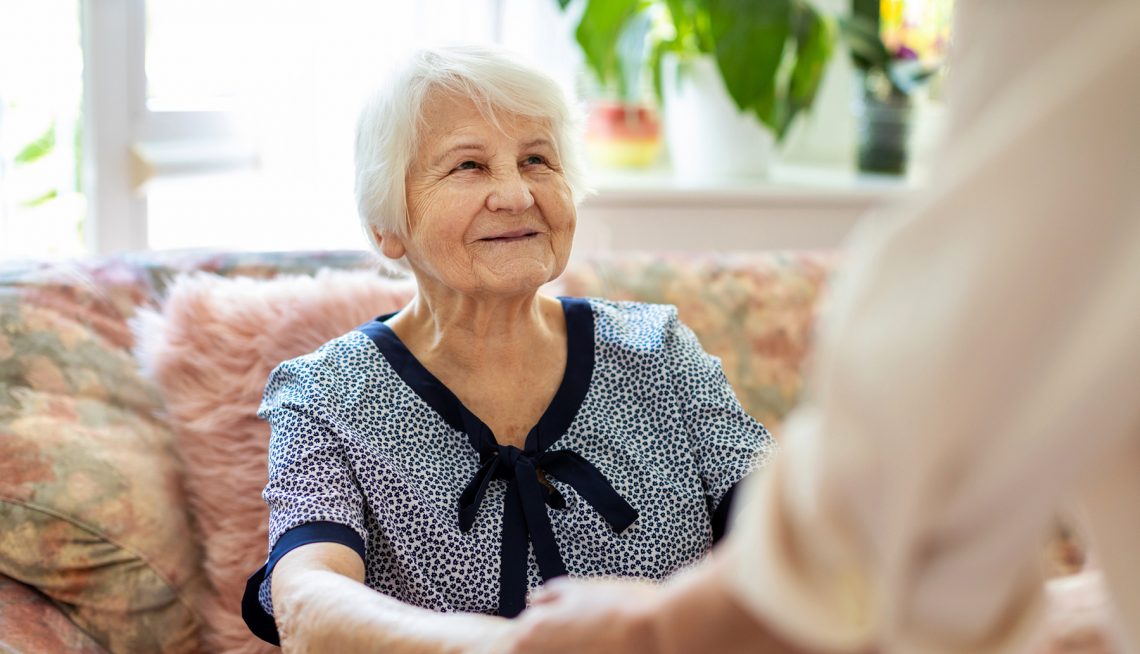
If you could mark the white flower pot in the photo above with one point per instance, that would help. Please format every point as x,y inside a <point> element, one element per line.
<point>709,139</point>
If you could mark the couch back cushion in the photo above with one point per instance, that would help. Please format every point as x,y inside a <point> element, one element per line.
<point>92,506</point>
<point>90,495</point>
<point>754,311</point>
<point>210,350</point>
<point>30,622</point>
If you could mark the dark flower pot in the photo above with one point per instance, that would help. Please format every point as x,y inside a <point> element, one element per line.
<point>884,134</point>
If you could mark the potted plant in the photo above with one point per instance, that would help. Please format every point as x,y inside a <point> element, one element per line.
<point>623,129</point>
<point>895,57</point>
<point>761,60</point>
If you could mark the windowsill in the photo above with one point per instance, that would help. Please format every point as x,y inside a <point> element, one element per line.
<point>796,207</point>
<point>786,185</point>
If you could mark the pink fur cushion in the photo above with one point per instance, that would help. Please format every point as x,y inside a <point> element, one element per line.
<point>210,350</point>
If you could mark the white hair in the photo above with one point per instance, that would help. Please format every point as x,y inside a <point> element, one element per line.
<point>388,128</point>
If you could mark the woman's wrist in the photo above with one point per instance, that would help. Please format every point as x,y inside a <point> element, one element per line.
<point>327,612</point>
<point>697,613</point>
<point>480,634</point>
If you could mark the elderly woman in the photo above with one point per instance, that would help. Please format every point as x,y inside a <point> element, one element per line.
<point>429,469</point>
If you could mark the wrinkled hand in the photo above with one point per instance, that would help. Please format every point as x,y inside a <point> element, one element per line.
<point>597,615</point>
<point>1079,617</point>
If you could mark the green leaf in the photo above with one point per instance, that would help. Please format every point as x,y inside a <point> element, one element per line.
<point>868,9</point>
<point>37,149</point>
<point>862,37</point>
<point>750,37</point>
<point>691,25</point>
<point>681,11</point>
<point>815,38</point>
<point>41,199</point>
<point>632,55</point>
<point>659,49</point>
<point>598,32</point>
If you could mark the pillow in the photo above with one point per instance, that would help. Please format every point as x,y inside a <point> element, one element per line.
<point>211,350</point>
<point>92,512</point>
<point>29,622</point>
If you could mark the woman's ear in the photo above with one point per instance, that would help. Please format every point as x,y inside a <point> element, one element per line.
<point>391,245</point>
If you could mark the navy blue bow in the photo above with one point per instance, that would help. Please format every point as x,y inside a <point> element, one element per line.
<point>524,513</point>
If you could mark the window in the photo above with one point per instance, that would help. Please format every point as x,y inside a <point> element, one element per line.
<point>218,124</point>
<point>244,137</point>
<point>41,68</point>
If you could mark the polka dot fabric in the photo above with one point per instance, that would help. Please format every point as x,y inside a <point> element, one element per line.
<point>353,443</point>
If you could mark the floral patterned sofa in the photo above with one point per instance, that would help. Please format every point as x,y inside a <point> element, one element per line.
<point>99,550</point>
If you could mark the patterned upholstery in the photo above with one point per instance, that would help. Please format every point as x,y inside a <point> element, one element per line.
<point>92,511</point>
<point>29,622</point>
<point>754,311</point>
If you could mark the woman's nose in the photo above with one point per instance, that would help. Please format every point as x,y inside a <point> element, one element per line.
<point>511,194</point>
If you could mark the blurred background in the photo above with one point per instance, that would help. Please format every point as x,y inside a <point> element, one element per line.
<point>712,124</point>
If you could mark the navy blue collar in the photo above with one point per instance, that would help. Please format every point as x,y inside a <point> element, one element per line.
<point>554,422</point>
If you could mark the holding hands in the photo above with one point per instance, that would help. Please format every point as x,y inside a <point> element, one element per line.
<point>692,614</point>
<point>597,615</point>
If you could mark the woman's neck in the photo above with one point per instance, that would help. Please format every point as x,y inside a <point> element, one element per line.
<point>473,331</point>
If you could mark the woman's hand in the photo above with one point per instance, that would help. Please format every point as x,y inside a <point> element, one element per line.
<point>691,614</point>
<point>600,615</point>
<point>1079,617</point>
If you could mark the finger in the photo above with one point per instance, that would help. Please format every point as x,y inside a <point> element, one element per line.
<point>545,597</point>
<point>550,592</point>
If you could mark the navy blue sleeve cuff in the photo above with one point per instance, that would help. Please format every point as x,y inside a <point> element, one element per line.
<point>261,623</point>
<point>723,511</point>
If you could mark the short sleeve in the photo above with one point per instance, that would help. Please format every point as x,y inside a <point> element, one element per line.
<point>312,491</point>
<point>310,478</point>
<point>727,443</point>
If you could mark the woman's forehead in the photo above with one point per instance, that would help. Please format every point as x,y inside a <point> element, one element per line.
<point>448,117</point>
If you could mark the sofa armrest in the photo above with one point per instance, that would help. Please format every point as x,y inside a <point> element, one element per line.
<point>31,624</point>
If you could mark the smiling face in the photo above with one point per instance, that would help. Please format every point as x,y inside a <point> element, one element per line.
<point>489,210</point>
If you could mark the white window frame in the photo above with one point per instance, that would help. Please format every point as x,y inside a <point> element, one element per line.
<point>126,142</point>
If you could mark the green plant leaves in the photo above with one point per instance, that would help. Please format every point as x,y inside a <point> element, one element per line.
<point>37,149</point>
<point>598,33</point>
<point>815,41</point>
<point>750,36</point>
<point>771,54</point>
<point>691,24</point>
<point>43,198</point>
<point>862,36</point>
<point>883,76</point>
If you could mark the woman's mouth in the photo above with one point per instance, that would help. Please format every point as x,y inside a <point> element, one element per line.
<point>511,236</point>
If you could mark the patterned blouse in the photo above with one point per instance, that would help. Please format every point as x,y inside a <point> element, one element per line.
<point>641,448</point>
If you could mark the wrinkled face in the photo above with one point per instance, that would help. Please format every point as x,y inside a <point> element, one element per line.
<point>490,212</point>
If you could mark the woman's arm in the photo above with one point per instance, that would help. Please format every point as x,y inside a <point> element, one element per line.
<point>322,605</point>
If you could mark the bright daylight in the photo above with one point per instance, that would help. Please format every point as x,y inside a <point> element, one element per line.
<point>569,326</point>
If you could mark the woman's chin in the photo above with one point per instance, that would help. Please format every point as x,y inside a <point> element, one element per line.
<point>517,277</point>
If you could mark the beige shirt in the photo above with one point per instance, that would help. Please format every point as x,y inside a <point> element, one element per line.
<point>978,365</point>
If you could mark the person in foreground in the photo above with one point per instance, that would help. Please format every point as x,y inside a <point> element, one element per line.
<point>432,467</point>
<point>979,365</point>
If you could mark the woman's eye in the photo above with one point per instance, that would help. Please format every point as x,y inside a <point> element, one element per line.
<point>467,165</point>
<point>533,160</point>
